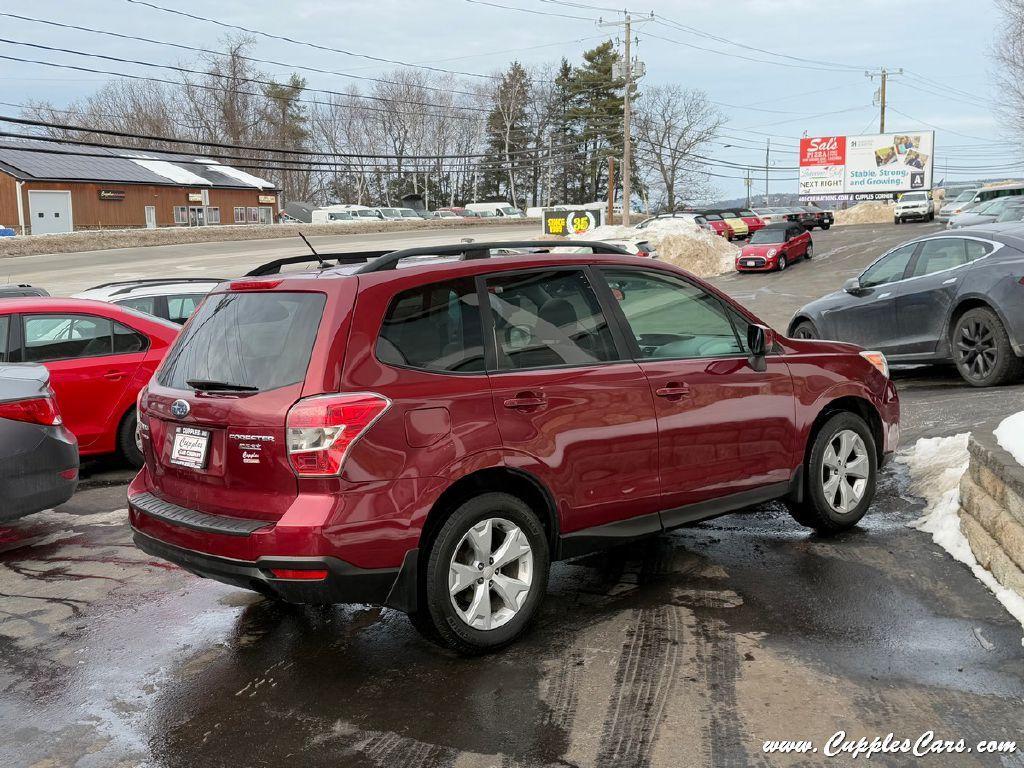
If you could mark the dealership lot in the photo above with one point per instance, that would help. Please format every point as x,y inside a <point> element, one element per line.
<point>688,648</point>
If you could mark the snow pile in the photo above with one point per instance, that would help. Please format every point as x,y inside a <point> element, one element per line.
<point>936,466</point>
<point>1010,435</point>
<point>865,213</point>
<point>175,173</point>
<point>239,175</point>
<point>678,242</point>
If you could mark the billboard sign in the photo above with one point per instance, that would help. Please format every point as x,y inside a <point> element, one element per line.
<point>571,222</point>
<point>875,167</point>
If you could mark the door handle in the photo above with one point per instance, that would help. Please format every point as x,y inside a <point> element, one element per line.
<point>114,375</point>
<point>526,400</point>
<point>673,390</point>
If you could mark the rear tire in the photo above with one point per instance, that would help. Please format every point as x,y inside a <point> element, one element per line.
<point>982,351</point>
<point>127,446</point>
<point>809,253</point>
<point>840,476</point>
<point>825,226</point>
<point>476,532</point>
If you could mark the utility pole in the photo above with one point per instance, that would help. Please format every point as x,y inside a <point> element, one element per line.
<point>547,197</point>
<point>747,182</point>
<point>767,160</point>
<point>611,188</point>
<point>883,75</point>
<point>627,138</point>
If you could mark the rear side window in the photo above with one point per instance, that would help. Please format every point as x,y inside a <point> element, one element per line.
<point>5,324</point>
<point>181,307</point>
<point>262,339</point>
<point>434,327</point>
<point>548,319</point>
<point>127,341</point>
<point>976,249</point>
<point>63,337</point>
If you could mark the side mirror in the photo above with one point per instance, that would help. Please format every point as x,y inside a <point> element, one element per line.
<point>853,286</point>
<point>760,341</point>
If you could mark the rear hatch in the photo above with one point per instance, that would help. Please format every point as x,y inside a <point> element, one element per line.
<point>217,408</point>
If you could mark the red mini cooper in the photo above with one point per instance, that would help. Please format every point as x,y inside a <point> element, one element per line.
<point>719,226</point>
<point>775,247</point>
<point>429,429</point>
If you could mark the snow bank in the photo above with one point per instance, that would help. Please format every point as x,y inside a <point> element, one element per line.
<point>936,466</point>
<point>678,242</point>
<point>1010,435</point>
<point>865,213</point>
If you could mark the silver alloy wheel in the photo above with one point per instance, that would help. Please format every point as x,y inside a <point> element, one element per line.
<point>490,574</point>
<point>845,469</point>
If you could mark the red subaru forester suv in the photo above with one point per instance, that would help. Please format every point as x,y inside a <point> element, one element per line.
<point>429,429</point>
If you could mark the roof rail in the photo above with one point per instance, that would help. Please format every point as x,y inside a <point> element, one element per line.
<point>467,251</point>
<point>274,267</point>
<point>158,281</point>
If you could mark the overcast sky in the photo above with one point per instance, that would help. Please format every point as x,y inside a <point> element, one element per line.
<point>946,42</point>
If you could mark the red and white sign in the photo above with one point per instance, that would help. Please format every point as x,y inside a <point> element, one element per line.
<point>823,150</point>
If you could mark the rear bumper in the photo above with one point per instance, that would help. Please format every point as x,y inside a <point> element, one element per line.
<point>344,583</point>
<point>30,479</point>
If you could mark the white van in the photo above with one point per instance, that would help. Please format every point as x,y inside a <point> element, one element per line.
<point>332,216</point>
<point>501,210</point>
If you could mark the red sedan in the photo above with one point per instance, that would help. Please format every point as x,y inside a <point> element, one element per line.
<point>718,226</point>
<point>752,220</point>
<point>99,356</point>
<point>775,247</point>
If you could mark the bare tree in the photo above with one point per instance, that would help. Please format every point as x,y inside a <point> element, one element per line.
<point>672,125</point>
<point>1008,53</point>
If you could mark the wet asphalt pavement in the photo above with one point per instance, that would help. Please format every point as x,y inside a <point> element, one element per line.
<point>688,649</point>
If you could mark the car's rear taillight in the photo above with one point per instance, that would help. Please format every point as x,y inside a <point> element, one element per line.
<point>35,410</point>
<point>321,429</point>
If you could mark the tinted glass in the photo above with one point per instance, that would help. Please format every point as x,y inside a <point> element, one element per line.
<point>261,339</point>
<point>767,236</point>
<point>126,340</point>
<point>672,318</point>
<point>747,214</point>
<point>5,324</point>
<point>546,319</point>
<point>60,337</point>
<point>145,304</point>
<point>435,327</point>
<point>939,255</point>
<point>976,249</point>
<point>888,269</point>
<point>181,307</point>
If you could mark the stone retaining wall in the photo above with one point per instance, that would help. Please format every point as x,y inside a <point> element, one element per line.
<point>992,508</point>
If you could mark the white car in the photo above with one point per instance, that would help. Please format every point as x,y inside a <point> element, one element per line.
<point>957,205</point>
<point>913,205</point>
<point>500,210</point>
<point>173,299</point>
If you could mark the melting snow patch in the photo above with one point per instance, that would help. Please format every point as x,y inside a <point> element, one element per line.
<point>237,175</point>
<point>936,466</point>
<point>170,171</point>
<point>1010,435</point>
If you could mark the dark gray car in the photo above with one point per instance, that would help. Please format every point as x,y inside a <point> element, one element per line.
<point>38,455</point>
<point>950,297</point>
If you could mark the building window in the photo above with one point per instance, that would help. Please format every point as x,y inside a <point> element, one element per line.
<point>180,214</point>
<point>254,215</point>
<point>239,215</point>
<point>213,215</point>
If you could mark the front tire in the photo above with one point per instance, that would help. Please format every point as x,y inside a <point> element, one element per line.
<point>805,330</point>
<point>783,263</point>
<point>127,446</point>
<point>982,350</point>
<point>486,575</point>
<point>840,476</point>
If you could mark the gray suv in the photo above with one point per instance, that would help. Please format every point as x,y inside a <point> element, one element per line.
<point>950,297</point>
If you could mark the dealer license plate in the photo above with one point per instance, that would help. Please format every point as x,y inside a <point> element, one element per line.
<point>190,447</point>
<point>751,263</point>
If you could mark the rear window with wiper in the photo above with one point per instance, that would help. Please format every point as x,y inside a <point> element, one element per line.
<point>245,342</point>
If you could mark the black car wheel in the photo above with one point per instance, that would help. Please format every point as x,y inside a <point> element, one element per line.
<point>783,263</point>
<point>127,444</point>
<point>809,254</point>
<point>825,226</point>
<point>840,476</point>
<point>486,575</point>
<point>982,350</point>
<point>805,330</point>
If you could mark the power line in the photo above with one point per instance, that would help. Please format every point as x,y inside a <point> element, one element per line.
<point>317,46</point>
<point>526,10</point>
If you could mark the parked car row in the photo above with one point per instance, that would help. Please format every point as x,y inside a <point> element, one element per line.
<point>741,223</point>
<point>344,214</point>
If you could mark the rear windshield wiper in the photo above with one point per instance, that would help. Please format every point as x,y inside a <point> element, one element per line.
<point>202,385</point>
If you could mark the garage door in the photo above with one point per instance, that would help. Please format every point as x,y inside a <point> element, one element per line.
<point>50,212</point>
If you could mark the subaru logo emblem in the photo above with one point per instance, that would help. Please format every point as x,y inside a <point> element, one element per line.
<point>180,409</point>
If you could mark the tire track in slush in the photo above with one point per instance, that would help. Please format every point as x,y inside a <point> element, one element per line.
<point>724,734</point>
<point>562,695</point>
<point>390,749</point>
<point>645,672</point>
